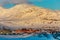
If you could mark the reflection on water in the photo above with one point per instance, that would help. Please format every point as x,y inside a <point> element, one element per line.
<point>40,36</point>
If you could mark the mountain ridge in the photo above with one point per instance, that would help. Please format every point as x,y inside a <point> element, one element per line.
<point>29,16</point>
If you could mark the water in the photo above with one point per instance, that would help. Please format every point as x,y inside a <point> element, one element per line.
<point>35,37</point>
<point>50,4</point>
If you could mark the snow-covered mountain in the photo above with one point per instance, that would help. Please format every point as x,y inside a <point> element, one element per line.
<point>29,16</point>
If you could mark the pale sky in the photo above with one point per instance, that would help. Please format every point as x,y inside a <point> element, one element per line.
<point>51,4</point>
<point>12,1</point>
